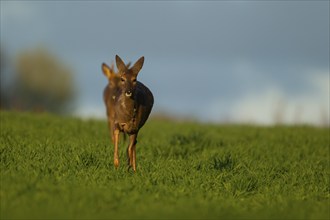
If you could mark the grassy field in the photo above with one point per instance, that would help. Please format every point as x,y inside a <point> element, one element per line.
<point>56,167</point>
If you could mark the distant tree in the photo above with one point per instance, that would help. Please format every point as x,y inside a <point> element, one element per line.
<point>3,99</point>
<point>42,82</point>
<point>1,59</point>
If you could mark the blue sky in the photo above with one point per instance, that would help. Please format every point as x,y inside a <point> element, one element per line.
<point>233,61</point>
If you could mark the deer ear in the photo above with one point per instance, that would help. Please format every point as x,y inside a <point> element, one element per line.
<point>107,71</point>
<point>120,64</point>
<point>137,66</point>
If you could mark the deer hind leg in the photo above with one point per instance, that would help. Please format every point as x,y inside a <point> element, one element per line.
<point>111,129</point>
<point>116,139</point>
<point>130,151</point>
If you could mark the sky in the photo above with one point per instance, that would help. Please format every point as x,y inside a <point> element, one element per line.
<point>215,61</point>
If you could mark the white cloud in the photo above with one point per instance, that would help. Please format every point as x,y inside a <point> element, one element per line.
<point>272,105</point>
<point>259,107</point>
<point>317,104</point>
<point>87,111</point>
<point>320,79</point>
<point>265,102</point>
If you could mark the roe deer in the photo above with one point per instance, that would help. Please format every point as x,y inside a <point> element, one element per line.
<point>110,92</point>
<point>128,103</point>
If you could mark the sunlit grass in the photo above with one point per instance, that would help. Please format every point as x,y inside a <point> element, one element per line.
<point>57,167</point>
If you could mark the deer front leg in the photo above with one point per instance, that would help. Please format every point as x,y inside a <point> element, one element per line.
<point>134,155</point>
<point>130,151</point>
<point>116,139</point>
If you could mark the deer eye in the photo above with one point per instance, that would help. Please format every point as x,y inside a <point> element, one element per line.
<point>122,79</point>
<point>133,80</point>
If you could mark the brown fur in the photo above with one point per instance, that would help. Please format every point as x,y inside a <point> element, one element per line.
<point>109,94</point>
<point>128,103</point>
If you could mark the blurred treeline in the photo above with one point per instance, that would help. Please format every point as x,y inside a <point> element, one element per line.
<point>36,80</point>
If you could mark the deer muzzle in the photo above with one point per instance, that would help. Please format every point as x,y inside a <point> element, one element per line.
<point>128,94</point>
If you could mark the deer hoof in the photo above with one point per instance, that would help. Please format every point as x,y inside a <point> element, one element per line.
<point>116,162</point>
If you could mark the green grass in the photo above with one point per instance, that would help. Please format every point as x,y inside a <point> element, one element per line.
<point>58,167</point>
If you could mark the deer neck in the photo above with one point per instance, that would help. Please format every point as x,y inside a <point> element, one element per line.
<point>127,108</point>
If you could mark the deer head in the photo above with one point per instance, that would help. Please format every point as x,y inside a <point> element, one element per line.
<point>128,76</point>
<point>110,73</point>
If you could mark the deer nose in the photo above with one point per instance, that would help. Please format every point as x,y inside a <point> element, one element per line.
<point>128,93</point>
